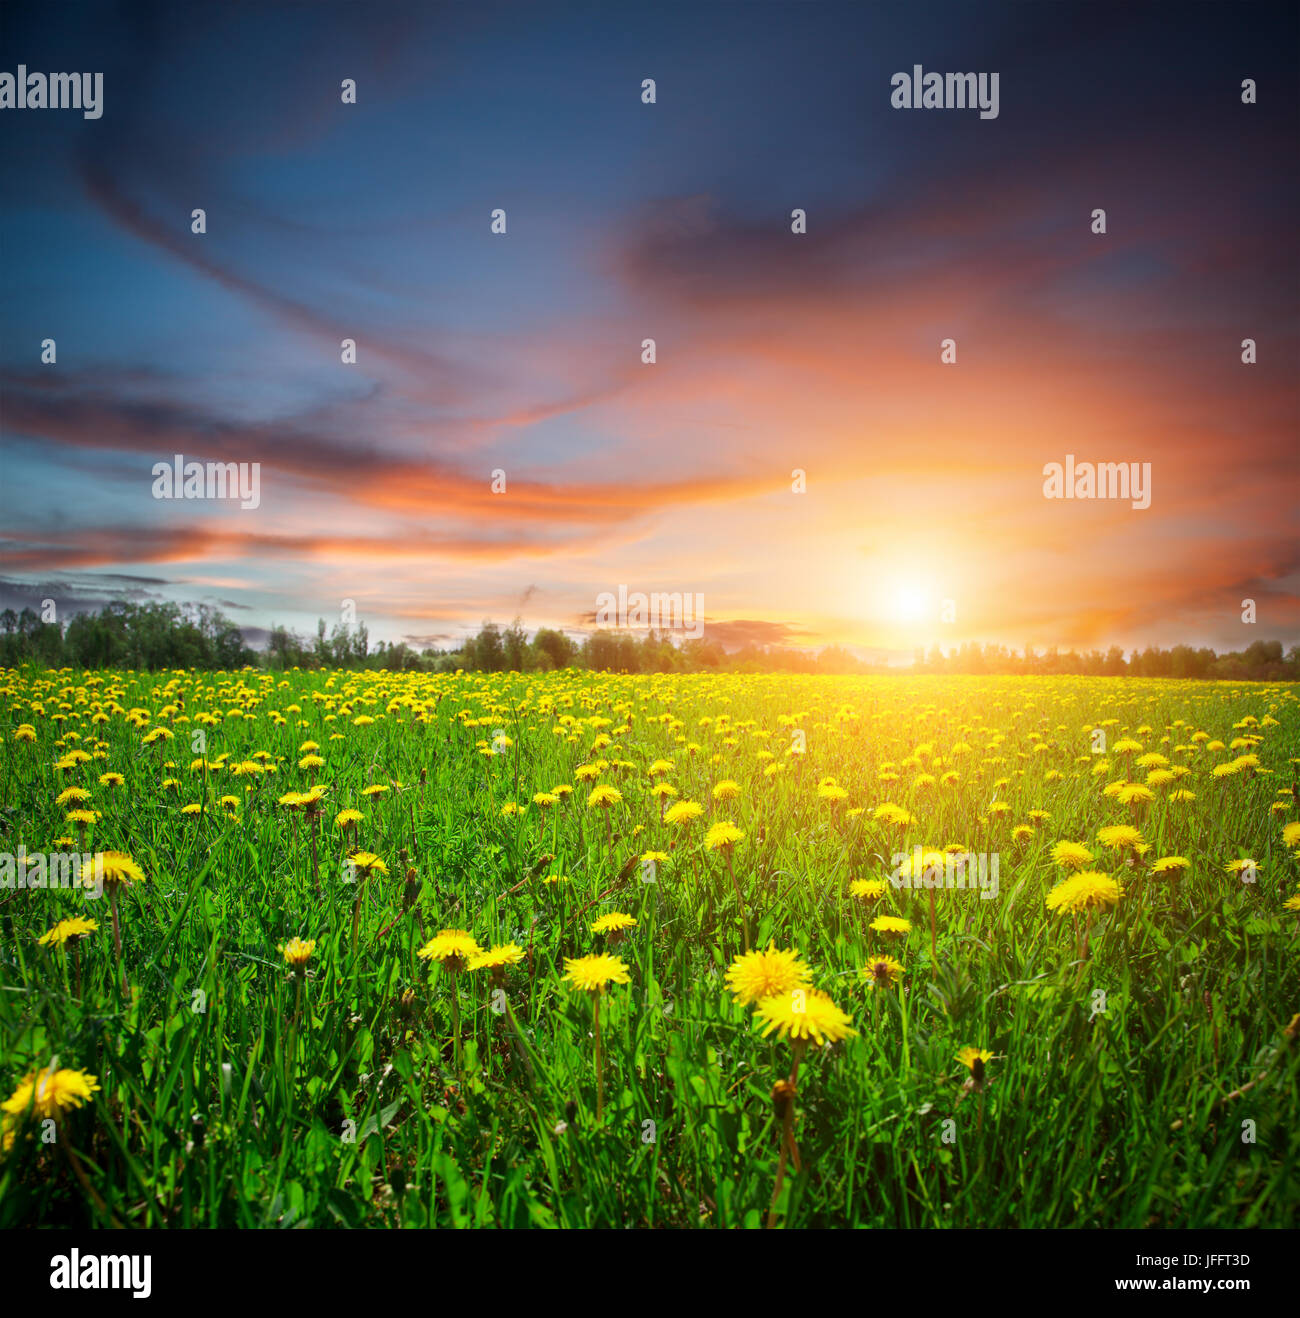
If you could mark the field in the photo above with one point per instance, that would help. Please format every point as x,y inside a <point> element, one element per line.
<point>266,1019</point>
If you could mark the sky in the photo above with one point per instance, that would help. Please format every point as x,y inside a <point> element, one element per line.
<point>920,517</point>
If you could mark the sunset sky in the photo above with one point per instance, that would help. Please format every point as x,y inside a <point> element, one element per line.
<point>670,221</point>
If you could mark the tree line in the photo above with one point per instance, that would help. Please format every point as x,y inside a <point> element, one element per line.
<point>159,636</point>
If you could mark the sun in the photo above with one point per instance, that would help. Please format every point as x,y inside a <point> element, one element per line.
<point>910,602</point>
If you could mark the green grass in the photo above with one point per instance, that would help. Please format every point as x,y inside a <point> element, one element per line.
<point>234,1094</point>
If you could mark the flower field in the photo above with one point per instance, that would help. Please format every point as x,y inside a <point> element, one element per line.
<point>573,949</point>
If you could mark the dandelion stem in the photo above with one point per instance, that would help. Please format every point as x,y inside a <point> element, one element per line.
<point>356,908</point>
<point>315,868</point>
<point>455,1023</point>
<point>934,954</point>
<point>600,1071</point>
<point>785,1094</point>
<point>117,936</point>
<point>740,901</point>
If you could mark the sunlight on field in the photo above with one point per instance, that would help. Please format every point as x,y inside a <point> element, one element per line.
<point>571,948</point>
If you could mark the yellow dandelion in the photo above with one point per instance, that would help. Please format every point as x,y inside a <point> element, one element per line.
<point>591,974</point>
<point>1071,855</point>
<point>297,951</point>
<point>766,973</point>
<point>881,971</point>
<point>48,1094</point>
<point>868,890</point>
<point>893,925</point>
<point>974,1059</point>
<point>722,836</point>
<point>66,930</point>
<point>1085,891</point>
<point>614,922</point>
<point>498,957</point>
<point>804,1014</point>
<point>453,949</point>
<point>1119,837</point>
<point>117,868</point>
<point>683,812</point>
<point>1171,865</point>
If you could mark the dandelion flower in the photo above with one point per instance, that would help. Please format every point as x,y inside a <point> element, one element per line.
<point>804,1014</point>
<point>497,958</point>
<point>881,971</point>
<point>614,922</point>
<point>48,1094</point>
<point>974,1059</point>
<point>1171,865</point>
<point>1085,891</point>
<point>683,812</point>
<point>116,867</point>
<point>297,951</point>
<point>453,948</point>
<point>893,925</point>
<point>591,974</point>
<point>764,974</point>
<point>1135,794</point>
<point>1119,837</point>
<point>722,836</point>
<point>868,890</point>
<point>66,930</point>
<point>893,814</point>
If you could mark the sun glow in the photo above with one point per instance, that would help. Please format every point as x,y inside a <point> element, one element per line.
<point>910,602</point>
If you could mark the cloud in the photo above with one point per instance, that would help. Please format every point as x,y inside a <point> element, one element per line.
<point>94,419</point>
<point>429,640</point>
<point>736,633</point>
<point>97,546</point>
<point>77,595</point>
